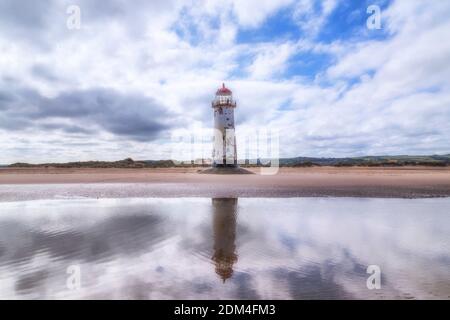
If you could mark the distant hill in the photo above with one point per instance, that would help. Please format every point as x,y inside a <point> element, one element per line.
<point>369,161</point>
<point>126,163</point>
<point>403,160</point>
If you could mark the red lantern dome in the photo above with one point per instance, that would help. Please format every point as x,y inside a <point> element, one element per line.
<point>224,91</point>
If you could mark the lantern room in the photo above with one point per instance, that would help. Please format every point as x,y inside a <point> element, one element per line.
<point>224,98</point>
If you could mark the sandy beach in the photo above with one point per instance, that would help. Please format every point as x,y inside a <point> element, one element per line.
<point>404,182</point>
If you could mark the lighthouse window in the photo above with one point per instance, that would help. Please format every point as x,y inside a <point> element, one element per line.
<point>223,99</point>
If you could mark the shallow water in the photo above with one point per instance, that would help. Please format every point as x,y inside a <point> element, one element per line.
<point>198,248</point>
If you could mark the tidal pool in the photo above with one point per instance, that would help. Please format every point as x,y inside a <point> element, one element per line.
<point>227,248</point>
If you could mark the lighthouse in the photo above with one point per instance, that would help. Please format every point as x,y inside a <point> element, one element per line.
<point>224,149</point>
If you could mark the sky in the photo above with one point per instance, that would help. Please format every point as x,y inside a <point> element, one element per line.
<point>138,74</point>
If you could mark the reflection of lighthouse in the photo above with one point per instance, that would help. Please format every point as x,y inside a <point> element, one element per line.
<point>224,222</point>
<point>224,153</point>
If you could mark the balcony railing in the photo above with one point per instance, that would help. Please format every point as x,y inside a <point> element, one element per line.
<point>226,103</point>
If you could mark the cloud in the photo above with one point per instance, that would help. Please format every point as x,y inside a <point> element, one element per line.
<point>311,15</point>
<point>134,116</point>
<point>270,61</point>
<point>252,13</point>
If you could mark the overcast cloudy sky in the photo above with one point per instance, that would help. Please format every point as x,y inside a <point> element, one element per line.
<point>137,72</point>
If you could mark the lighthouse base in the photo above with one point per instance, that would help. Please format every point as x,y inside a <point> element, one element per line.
<point>226,170</point>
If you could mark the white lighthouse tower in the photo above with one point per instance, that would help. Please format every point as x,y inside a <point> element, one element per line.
<point>224,151</point>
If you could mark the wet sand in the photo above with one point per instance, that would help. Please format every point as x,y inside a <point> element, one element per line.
<point>404,182</point>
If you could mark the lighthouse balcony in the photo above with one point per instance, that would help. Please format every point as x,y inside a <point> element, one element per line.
<point>221,103</point>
